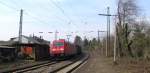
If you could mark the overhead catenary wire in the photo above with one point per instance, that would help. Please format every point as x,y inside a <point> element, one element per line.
<point>10,7</point>
<point>62,10</point>
<point>27,13</point>
<point>35,18</point>
<point>48,10</point>
<point>81,19</point>
<point>70,20</point>
<point>45,9</point>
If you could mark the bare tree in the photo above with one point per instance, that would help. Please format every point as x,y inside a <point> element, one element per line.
<point>127,11</point>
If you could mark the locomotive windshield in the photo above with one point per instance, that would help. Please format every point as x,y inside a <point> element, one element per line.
<point>59,44</point>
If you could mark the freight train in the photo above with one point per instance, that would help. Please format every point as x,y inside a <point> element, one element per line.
<point>61,48</point>
<point>57,49</point>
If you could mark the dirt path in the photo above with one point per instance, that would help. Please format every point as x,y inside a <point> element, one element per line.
<point>102,64</point>
<point>97,64</point>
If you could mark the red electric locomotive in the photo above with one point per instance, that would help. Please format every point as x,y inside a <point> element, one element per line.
<point>62,48</point>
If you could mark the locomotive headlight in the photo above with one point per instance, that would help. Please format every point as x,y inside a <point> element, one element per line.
<point>53,49</point>
<point>62,49</point>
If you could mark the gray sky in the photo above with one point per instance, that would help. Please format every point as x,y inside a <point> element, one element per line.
<point>65,16</point>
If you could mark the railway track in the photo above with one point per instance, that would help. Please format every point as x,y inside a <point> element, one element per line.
<point>69,68</point>
<point>34,67</point>
<point>26,67</point>
<point>52,67</point>
<point>64,66</point>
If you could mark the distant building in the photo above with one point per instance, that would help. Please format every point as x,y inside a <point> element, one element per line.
<point>6,43</point>
<point>32,47</point>
<point>30,40</point>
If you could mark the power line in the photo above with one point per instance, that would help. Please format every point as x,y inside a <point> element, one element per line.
<point>62,10</point>
<point>70,21</point>
<point>13,8</point>
<point>47,10</point>
<point>34,13</point>
<point>14,2</point>
<point>56,2</point>
<point>55,15</point>
<point>26,12</point>
<point>19,10</point>
<point>35,18</point>
<point>79,18</point>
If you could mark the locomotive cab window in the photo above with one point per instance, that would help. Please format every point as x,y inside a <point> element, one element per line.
<point>59,44</point>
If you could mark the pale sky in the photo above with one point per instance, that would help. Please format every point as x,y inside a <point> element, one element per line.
<point>65,16</point>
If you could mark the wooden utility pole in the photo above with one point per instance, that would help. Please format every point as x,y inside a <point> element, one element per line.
<point>20,26</point>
